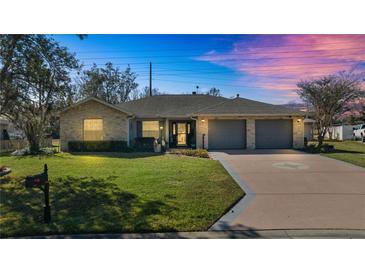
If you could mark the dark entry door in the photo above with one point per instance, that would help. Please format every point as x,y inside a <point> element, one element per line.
<point>226,134</point>
<point>182,134</point>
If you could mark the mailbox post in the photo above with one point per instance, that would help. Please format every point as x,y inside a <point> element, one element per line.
<point>41,181</point>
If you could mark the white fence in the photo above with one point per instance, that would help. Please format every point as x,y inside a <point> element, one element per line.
<point>341,133</point>
<point>11,145</point>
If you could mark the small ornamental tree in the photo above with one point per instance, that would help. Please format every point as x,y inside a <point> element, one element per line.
<point>328,97</point>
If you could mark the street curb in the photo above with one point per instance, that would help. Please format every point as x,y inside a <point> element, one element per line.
<point>242,234</point>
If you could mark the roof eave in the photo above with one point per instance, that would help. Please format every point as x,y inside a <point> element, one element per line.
<point>250,114</point>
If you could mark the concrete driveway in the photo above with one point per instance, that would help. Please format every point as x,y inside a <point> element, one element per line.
<point>286,189</point>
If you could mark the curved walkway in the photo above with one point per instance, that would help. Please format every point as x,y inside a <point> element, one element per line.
<point>292,190</point>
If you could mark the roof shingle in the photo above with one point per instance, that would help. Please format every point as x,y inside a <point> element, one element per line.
<point>192,105</point>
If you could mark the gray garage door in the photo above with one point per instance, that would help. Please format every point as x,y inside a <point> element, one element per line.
<point>227,134</point>
<point>274,133</point>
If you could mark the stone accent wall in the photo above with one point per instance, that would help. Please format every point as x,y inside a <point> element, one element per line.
<point>250,133</point>
<point>201,128</point>
<point>298,132</point>
<point>115,123</point>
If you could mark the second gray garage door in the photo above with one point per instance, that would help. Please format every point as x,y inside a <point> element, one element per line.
<point>227,134</point>
<point>274,133</point>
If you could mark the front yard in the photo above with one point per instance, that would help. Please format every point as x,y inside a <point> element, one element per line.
<point>348,151</point>
<point>108,193</point>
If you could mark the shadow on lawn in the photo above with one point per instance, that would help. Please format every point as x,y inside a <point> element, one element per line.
<point>79,205</point>
<point>129,155</point>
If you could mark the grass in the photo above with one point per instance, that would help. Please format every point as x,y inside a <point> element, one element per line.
<point>114,193</point>
<point>349,151</point>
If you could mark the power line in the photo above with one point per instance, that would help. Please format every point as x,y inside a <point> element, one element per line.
<point>229,48</point>
<point>230,54</point>
<point>283,68</point>
<point>174,62</point>
<point>208,84</point>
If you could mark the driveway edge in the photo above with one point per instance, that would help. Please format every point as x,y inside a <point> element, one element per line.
<point>224,222</point>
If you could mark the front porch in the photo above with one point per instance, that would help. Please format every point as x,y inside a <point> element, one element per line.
<point>172,133</point>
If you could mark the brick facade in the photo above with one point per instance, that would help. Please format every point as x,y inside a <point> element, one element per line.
<point>115,123</point>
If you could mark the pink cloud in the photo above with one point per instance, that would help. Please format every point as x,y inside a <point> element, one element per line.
<point>278,62</point>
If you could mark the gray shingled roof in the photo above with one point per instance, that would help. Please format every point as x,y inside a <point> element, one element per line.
<point>192,105</point>
<point>170,105</point>
<point>242,106</point>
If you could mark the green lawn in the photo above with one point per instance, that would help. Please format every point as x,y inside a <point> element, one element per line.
<point>348,151</point>
<point>116,193</point>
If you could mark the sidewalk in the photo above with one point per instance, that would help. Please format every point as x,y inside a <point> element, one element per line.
<point>244,234</point>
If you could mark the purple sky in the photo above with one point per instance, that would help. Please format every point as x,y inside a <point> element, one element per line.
<point>259,67</point>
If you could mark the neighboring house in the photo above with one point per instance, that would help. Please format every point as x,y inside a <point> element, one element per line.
<point>341,132</point>
<point>189,121</point>
<point>8,130</point>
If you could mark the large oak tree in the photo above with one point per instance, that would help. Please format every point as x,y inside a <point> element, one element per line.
<point>35,81</point>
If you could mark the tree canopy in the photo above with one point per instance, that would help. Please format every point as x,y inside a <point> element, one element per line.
<point>108,83</point>
<point>34,81</point>
<point>328,96</point>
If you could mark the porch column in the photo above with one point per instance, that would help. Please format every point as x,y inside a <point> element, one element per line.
<point>202,129</point>
<point>250,135</point>
<point>298,132</point>
<point>167,130</point>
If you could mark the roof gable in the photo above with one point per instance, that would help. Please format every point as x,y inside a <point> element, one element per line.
<point>88,99</point>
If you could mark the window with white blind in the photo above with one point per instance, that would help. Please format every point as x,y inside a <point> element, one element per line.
<point>93,129</point>
<point>151,129</point>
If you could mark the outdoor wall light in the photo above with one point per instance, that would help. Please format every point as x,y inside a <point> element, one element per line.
<point>299,120</point>
<point>161,128</point>
<point>203,120</point>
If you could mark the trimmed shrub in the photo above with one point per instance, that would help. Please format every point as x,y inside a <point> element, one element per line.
<point>98,146</point>
<point>145,144</point>
<point>311,148</point>
<point>326,148</point>
<point>200,153</point>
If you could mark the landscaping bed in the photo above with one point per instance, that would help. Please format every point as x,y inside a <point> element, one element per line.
<point>115,193</point>
<point>349,151</point>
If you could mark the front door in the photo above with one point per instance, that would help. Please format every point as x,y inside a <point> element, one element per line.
<point>181,134</point>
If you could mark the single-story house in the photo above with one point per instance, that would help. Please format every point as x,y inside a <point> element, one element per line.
<point>186,121</point>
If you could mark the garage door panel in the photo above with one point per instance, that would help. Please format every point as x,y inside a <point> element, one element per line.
<point>227,134</point>
<point>274,133</point>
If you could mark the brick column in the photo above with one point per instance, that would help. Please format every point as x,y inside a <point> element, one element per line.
<point>201,128</point>
<point>250,133</point>
<point>298,132</point>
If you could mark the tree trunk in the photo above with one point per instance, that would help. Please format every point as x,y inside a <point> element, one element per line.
<point>34,145</point>
<point>34,138</point>
<point>320,140</point>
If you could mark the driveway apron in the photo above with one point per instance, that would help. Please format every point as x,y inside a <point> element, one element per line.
<point>292,190</point>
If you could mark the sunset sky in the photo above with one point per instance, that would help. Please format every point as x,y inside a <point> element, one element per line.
<point>259,67</point>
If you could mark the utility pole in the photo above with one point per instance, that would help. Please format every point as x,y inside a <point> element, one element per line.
<point>150,79</point>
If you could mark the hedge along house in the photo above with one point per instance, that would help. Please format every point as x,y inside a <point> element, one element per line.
<point>185,121</point>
